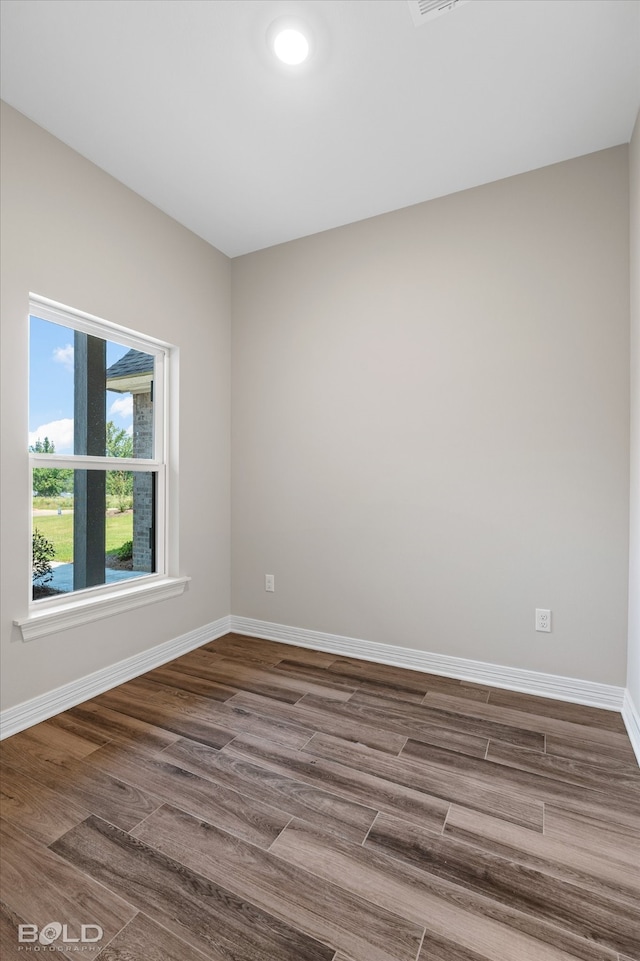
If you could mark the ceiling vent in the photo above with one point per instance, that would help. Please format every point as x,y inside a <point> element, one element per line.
<point>425,10</point>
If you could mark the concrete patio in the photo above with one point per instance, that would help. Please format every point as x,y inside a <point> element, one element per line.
<point>63,577</point>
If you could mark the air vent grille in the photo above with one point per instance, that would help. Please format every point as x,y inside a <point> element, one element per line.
<point>425,10</point>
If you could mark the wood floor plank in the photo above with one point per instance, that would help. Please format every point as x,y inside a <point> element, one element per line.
<point>204,914</point>
<point>40,886</point>
<point>120,727</point>
<point>590,915</point>
<point>259,679</point>
<point>374,688</point>
<point>85,786</point>
<point>237,813</point>
<point>31,750</point>
<point>454,741</point>
<point>561,710</point>
<point>10,949</point>
<point>354,785</point>
<point>401,679</point>
<point>177,721</point>
<point>587,832</point>
<point>231,716</point>
<point>64,737</point>
<point>296,798</point>
<point>581,773</point>
<point>47,741</point>
<point>449,786</point>
<point>521,719</point>
<point>343,920</point>
<point>319,715</point>
<point>203,663</point>
<point>315,674</point>
<point>282,681</point>
<point>618,757</point>
<point>254,801</point>
<point>35,808</point>
<point>590,868</point>
<point>170,697</point>
<point>442,907</point>
<point>80,729</point>
<point>145,940</point>
<point>305,655</point>
<point>173,677</point>
<point>245,647</point>
<point>234,673</point>
<point>436,948</point>
<point>524,783</point>
<point>398,717</point>
<point>249,650</point>
<point>416,719</point>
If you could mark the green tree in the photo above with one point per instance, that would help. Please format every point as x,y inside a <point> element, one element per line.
<point>119,442</point>
<point>120,482</point>
<point>49,481</point>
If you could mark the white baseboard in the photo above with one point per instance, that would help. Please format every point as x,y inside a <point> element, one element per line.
<point>40,708</point>
<point>590,693</point>
<point>631,718</point>
<point>514,679</point>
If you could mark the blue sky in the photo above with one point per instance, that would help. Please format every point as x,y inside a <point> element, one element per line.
<point>51,386</point>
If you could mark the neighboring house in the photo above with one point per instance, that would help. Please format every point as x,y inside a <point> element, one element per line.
<point>133,374</point>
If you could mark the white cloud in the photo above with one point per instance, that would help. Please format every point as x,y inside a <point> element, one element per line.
<point>59,432</point>
<point>64,356</point>
<point>123,407</point>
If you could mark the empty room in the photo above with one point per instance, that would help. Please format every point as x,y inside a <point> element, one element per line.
<point>320,480</point>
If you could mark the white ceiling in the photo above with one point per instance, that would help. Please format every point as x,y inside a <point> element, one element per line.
<point>181,101</point>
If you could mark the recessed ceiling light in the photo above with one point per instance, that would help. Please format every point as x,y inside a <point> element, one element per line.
<point>290,40</point>
<point>291,46</point>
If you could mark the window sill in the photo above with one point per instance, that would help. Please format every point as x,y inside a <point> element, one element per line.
<point>82,610</point>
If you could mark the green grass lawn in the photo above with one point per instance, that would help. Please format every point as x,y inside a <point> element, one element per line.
<point>58,528</point>
<point>66,503</point>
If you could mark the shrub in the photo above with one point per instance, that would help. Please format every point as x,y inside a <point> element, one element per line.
<point>125,551</point>
<point>42,553</point>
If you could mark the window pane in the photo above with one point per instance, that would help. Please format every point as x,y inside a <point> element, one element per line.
<point>92,527</point>
<point>129,382</point>
<point>50,387</point>
<point>88,395</point>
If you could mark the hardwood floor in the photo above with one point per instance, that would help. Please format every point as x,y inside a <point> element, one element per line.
<point>253,801</point>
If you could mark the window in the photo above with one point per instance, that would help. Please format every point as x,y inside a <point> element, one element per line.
<point>98,452</point>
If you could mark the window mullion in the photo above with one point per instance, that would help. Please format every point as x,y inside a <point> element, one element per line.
<point>78,462</point>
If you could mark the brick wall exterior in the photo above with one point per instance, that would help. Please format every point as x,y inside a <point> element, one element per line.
<point>142,484</point>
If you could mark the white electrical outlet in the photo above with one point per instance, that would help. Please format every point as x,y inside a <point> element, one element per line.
<point>269,582</point>
<point>543,620</point>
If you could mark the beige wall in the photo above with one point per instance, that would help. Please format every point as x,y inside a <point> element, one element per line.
<point>75,235</point>
<point>430,416</point>
<point>633,668</point>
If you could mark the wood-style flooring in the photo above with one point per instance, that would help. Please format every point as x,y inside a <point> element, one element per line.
<point>253,801</point>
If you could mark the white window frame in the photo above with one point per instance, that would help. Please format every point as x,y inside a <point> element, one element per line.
<point>50,615</point>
